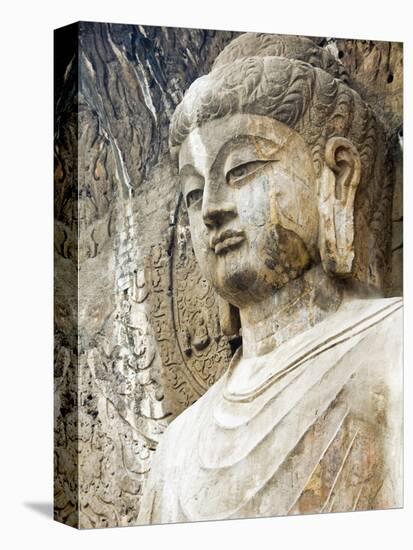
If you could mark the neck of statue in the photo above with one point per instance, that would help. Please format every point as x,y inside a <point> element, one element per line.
<point>296,307</point>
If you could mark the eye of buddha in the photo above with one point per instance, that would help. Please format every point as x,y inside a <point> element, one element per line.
<point>194,197</point>
<point>242,171</point>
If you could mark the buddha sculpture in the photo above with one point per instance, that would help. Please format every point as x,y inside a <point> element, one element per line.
<point>284,174</point>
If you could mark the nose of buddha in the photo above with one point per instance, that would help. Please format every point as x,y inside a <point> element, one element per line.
<point>217,214</point>
<point>216,211</point>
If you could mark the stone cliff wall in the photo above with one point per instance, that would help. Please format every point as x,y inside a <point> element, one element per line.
<point>144,341</point>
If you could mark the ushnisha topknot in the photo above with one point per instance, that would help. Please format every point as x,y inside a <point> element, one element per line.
<point>278,45</point>
<point>299,84</point>
<point>288,78</point>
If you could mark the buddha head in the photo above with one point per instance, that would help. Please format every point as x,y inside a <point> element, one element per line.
<point>282,167</point>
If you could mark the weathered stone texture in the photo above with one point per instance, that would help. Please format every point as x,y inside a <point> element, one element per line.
<point>144,339</point>
<point>376,72</point>
<point>376,68</point>
<point>130,377</point>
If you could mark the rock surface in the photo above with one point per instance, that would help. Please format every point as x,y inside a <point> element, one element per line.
<point>143,340</point>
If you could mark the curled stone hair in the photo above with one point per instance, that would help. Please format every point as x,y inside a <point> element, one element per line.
<point>299,84</point>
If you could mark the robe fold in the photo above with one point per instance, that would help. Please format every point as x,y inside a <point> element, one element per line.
<point>317,428</point>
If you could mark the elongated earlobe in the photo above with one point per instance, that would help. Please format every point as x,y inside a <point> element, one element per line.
<point>229,318</point>
<point>338,185</point>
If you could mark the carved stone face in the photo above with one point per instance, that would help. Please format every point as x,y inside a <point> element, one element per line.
<point>250,189</point>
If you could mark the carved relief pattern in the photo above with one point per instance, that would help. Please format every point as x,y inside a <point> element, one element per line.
<point>116,357</point>
<point>184,304</point>
<point>205,350</point>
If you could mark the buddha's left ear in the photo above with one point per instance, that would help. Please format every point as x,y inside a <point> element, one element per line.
<point>338,185</point>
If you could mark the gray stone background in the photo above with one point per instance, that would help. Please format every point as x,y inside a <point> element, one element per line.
<point>137,334</point>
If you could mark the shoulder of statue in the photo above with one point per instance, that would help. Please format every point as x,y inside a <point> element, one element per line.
<point>192,414</point>
<point>378,309</point>
<point>383,315</point>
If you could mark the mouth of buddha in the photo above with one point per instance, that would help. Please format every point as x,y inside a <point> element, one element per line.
<point>226,241</point>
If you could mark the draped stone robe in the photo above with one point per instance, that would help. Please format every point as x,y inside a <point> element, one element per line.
<point>319,429</point>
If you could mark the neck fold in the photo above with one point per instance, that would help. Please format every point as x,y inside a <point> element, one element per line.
<point>298,306</point>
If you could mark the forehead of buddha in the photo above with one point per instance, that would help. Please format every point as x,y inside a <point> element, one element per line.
<point>224,143</point>
<point>288,79</point>
<point>252,74</point>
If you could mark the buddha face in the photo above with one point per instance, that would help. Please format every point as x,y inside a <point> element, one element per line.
<point>250,189</point>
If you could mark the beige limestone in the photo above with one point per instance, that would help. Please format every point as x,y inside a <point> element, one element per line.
<point>140,334</point>
<point>279,162</point>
